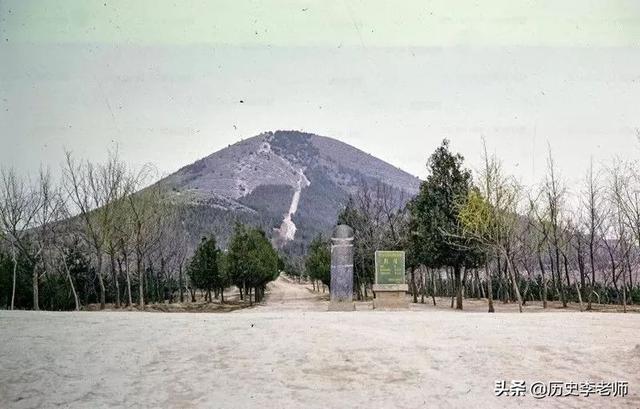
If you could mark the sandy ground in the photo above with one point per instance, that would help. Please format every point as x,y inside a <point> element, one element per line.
<point>290,353</point>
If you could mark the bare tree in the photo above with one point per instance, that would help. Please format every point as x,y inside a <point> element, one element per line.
<point>63,260</point>
<point>145,211</point>
<point>541,233</point>
<point>490,216</point>
<point>628,204</point>
<point>94,190</point>
<point>117,234</point>
<point>592,202</point>
<point>19,206</point>
<point>555,194</point>
<point>51,209</point>
<point>378,217</point>
<point>621,214</point>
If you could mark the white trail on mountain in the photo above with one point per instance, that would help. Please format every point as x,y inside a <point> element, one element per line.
<point>288,227</point>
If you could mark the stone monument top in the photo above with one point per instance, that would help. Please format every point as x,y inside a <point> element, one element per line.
<point>342,231</point>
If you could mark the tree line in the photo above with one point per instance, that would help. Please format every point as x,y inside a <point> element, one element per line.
<point>488,236</point>
<point>103,234</point>
<point>249,264</point>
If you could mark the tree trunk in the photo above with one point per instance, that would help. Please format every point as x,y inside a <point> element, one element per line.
<point>553,272</point>
<point>457,271</point>
<point>629,286</point>
<point>128,277</point>
<point>180,283</point>
<point>624,292</point>
<point>566,273</point>
<point>100,278</point>
<point>515,283</point>
<point>544,281</point>
<point>593,273</point>
<point>506,292</point>
<point>115,278</point>
<point>433,298</point>
<point>413,285</point>
<point>583,281</point>
<point>152,288</point>
<point>423,286</point>
<point>563,295</point>
<point>579,297</point>
<point>433,293</point>
<point>357,285</point>
<point>476,284</point>
<point>73,288</point>
<point>159,277</point>
<point>15,270</point>
<point>489,285</point>
<point>499,270</point>
<point>140,279</point>
<point>34,279</point>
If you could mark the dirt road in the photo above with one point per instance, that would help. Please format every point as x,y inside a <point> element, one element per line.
<point>285,294</point>
<point>291,353</point>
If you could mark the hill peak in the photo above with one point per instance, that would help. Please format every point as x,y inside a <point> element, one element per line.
<point>295,182</point>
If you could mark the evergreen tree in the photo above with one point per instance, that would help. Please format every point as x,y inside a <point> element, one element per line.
<point>318,262</point>
<point>437,235</point>
<point>252,261</point>
<point>204,269</point>
<point>293,266</point>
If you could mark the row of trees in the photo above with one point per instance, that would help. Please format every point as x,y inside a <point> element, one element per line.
<point>93,237</point>
<point>250,264</point>
<point>98,235</point>
<point>568,247</point>
<point>490,237</point>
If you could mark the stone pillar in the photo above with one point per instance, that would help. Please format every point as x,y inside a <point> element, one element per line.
<point>342,269</point>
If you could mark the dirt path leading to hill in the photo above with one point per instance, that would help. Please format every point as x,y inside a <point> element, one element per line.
<point>286,294</point>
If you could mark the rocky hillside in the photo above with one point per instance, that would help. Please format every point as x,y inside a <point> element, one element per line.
<point>291,183</point>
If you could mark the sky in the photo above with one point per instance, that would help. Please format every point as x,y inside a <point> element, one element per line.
<point>170,82</point>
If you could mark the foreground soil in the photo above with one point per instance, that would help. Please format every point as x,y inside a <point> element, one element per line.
<point>289,353</point>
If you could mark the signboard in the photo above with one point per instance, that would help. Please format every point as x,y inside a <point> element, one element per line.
<point>390,267</point>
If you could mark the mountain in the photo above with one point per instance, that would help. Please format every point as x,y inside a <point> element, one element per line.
<point>290,183</point>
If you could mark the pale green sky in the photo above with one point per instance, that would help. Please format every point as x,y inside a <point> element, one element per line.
<point>367,23</point>
<point>164,82</point>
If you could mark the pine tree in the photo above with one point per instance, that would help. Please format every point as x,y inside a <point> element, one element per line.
<point>318,261</point>
<point>252,261</point>
<point>204,269</point>
<point>438,235</point>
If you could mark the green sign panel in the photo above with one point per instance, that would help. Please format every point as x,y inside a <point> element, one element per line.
<point>390,267</point>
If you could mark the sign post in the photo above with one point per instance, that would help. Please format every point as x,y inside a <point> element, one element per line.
<point>390,287</point>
